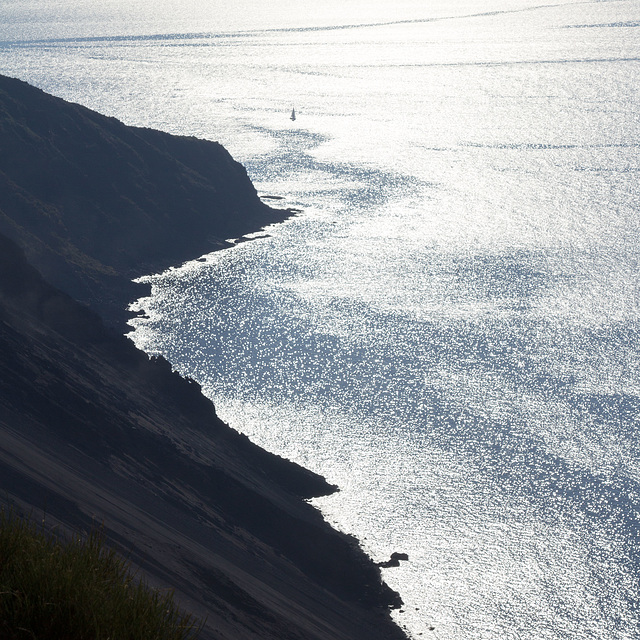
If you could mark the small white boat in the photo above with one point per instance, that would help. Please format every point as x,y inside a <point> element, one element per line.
<point>293,113</point>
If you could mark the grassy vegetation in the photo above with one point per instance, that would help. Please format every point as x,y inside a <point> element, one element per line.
<point>77,589</point>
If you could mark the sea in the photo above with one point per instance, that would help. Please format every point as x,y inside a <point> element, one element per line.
<point>448,329</point>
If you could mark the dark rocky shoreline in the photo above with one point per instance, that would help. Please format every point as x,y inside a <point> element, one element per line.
<point>93,431</point>
<point>95,203</point>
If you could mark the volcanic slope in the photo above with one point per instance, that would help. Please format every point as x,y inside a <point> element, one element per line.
<point>93,432</point>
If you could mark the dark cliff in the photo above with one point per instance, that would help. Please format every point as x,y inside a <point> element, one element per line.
<point>91,430</point>
<point>95,203</point>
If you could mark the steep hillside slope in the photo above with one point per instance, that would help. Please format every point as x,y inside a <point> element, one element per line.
<point>93,431</point>
<point>95,203</point>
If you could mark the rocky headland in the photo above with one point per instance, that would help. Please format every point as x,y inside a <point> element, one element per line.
<point>93,432</point>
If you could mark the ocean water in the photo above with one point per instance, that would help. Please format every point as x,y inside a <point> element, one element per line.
<point>449,330</point>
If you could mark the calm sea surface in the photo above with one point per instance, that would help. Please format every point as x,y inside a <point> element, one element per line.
<point>450,329</point>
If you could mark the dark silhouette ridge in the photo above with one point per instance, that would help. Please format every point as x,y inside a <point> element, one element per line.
<point>95,203</point>
<point>92,430</point>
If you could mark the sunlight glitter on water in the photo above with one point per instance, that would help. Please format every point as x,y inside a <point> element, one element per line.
<point>450,329</point>
<point>446,440</point>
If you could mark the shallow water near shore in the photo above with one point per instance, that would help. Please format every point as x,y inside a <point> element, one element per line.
<point>449,330</point>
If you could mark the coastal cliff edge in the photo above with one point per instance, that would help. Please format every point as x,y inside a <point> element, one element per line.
<point>93,432</point>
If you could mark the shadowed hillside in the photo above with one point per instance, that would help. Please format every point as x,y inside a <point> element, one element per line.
<point>95,203</point>
<point>92,430</point>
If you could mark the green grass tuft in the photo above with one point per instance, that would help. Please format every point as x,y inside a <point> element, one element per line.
<point>77,589</point>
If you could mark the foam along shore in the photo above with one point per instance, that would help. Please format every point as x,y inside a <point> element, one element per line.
<point>93,431</point>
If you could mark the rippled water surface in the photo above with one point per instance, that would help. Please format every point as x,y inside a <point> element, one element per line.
<point>449,330</point>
